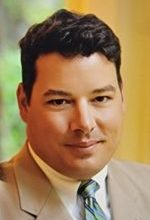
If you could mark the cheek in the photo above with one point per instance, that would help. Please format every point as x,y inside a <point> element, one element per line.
<point>54,122</point>
<point>44,128</point>
<point>115,128</point>
<point>45,123</point>
<point>111,121</point>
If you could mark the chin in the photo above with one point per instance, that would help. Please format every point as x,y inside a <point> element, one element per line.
<point>84,173</point>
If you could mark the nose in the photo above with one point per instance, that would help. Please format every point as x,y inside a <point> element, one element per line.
<point>83,120</point>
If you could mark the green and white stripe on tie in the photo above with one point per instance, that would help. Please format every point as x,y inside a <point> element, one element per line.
<point>92,210</point>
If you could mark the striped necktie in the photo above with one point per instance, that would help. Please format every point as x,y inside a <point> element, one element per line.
<point>92,210</point>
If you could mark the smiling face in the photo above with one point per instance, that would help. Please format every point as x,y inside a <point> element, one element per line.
<point>75,114</point>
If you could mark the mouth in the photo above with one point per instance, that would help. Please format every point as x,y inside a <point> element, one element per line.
<point>86,148</point>
<point>84,144</point>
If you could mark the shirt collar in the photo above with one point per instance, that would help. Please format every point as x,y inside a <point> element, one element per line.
<point>65,187</point>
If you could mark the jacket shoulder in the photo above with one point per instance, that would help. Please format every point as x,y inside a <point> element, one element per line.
<point>122,164</point>
<point>6,171</point>
<point>131,172</point>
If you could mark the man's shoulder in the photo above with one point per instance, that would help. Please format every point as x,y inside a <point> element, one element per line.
<point>130,172</point>
<point>132,166</point>
<point>6,170</point>
<point>1,172</point>
<point>7,167</point>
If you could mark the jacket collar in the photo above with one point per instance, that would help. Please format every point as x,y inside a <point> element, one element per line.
<point>36,193</point>
<point>38,198</point>
<point>124,196</point>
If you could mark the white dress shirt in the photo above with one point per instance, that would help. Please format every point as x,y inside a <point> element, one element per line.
<point>66,188</point>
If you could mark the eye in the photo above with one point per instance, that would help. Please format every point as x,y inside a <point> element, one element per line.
<point>58,103</point>
<point>101,99</point>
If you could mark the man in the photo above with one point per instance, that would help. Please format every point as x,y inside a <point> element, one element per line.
<point>72,103</point>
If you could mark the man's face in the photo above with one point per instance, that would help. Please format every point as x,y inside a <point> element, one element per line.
<point>75,114</point>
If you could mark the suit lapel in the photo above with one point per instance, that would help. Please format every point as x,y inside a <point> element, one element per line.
<point>124,199</point>
<point>38,198</point>
<point>54,209</point>
<point>36,194</point>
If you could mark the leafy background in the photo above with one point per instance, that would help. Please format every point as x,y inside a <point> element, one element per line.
<point>15,18</point>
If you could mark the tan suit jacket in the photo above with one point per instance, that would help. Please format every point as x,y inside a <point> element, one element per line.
<point>26,194</point>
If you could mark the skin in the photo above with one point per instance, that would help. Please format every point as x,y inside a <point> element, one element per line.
<point>75,114</point>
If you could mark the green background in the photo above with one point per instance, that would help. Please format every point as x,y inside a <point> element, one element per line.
<point>15,18</point>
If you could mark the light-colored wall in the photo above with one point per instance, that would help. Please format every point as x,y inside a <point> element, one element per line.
<point>131,22</point>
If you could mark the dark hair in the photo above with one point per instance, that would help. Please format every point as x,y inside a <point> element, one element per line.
<point>70,34</point>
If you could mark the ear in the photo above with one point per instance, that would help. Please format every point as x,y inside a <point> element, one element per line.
<point>122,96</point>
<point>22,102</point>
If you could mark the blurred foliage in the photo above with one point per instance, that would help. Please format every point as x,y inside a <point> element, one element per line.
<point>12,127</point>
<point>32,11</point>
<point>15,18</point>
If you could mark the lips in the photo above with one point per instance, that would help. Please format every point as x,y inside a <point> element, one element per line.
<point>84,144</point>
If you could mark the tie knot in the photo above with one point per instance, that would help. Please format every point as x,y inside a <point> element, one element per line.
<point>88,188</point>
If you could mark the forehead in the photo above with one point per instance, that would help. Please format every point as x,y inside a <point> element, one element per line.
<point>55,71</point>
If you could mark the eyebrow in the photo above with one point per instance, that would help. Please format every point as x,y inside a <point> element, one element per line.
<point>53,92</point>
<point>108,88</point>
